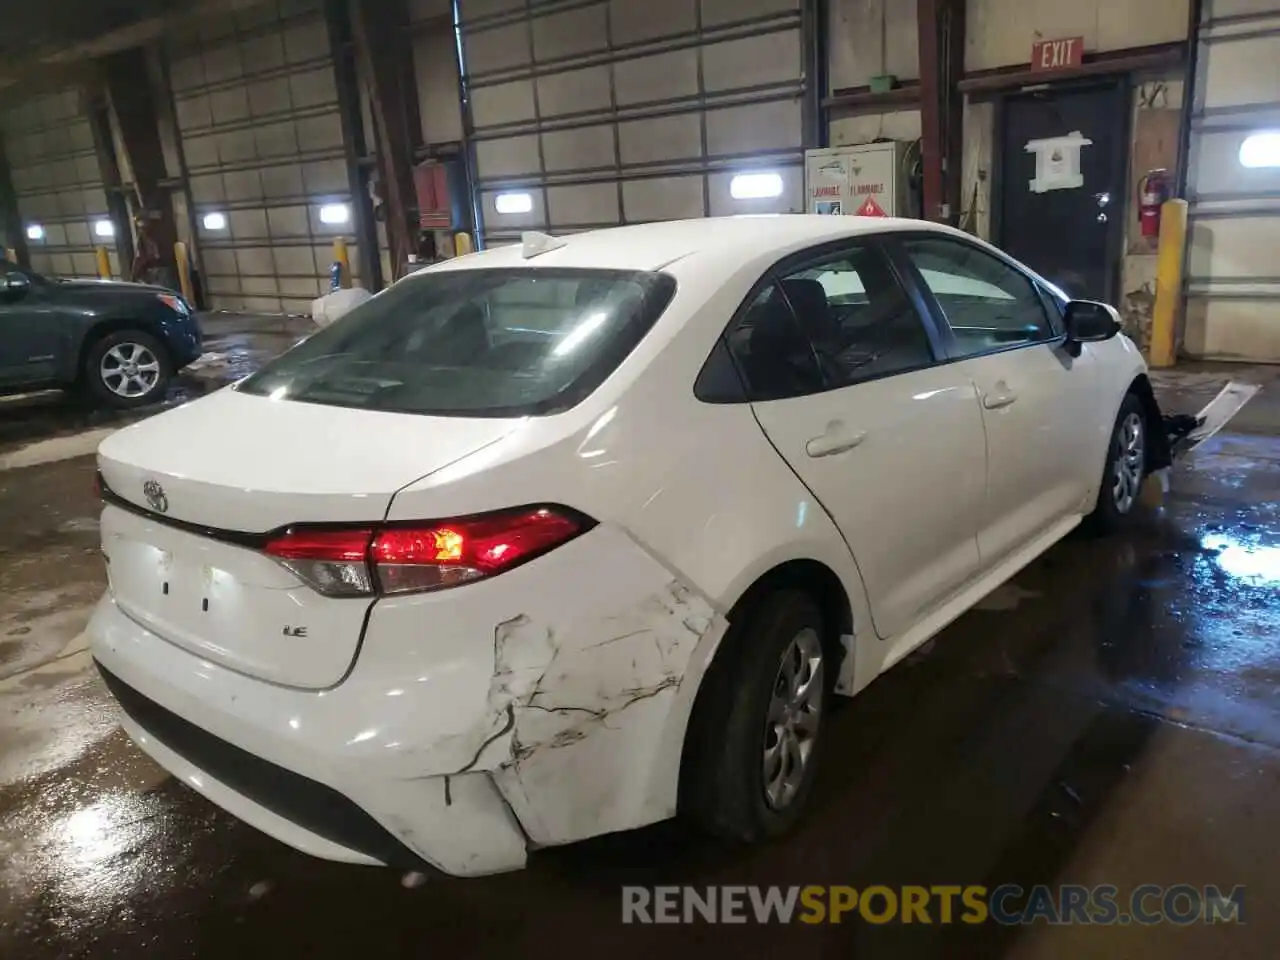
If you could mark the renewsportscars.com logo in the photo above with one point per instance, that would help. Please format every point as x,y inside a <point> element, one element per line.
<point>1008,905</point>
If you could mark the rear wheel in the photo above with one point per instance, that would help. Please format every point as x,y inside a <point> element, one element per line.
<point>1125,470</point>
<point>128,368</point>
<point>755,735</point>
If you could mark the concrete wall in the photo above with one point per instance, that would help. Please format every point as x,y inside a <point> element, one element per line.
<point>1000,32</point>
<point>867,38</point>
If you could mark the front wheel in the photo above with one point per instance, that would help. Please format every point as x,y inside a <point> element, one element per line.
<point>128,368</point>
<point>1125,470</point>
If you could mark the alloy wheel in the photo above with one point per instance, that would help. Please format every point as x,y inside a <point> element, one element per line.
<point>130,370</point>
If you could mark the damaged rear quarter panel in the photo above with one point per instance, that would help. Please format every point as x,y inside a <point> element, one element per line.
<point>569,680</point>
<point>598,697</point>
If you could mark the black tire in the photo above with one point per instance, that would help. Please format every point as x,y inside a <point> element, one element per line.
<point>1113,512</point>
<point>724,789</point>
<point>105,388</point>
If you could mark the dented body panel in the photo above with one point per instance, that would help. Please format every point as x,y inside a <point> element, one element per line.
<point>472,728</point>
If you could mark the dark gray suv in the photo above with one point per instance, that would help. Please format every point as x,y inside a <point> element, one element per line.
<point>120,342</point>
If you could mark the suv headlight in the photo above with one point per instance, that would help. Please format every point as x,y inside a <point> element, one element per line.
<point>174,303</point>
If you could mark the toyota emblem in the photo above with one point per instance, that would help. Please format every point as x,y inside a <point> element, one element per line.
<point>155,496</point>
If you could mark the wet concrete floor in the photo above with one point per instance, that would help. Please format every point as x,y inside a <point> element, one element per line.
<point>1111,716</point>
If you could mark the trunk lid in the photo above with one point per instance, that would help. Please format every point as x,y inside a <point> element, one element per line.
<point>207,479</point>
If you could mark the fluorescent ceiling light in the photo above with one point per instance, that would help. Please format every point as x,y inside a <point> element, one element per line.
<point>35,231</point>
<point>513,202</point>
<point>215,221</point>
<point>1261,150</point>
<point>104,228</point>
<point>755,186</point>
<point>335,213</point>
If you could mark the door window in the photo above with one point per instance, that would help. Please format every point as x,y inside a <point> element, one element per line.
<point>988,304</point>
<point>850,315</point>
<point>775,357</point>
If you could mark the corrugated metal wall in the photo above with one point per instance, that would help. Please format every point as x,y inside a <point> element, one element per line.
<point>55,173</point>
<point>1233,308</point>
<point>257,111</point>
<point>623,111</point>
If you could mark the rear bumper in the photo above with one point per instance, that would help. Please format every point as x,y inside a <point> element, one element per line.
<point>307,814</point>
<point>473,725</point>
<point>246,746</point>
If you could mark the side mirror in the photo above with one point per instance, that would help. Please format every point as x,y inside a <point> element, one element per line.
<point>14,285</point>
<point>1088,321</point>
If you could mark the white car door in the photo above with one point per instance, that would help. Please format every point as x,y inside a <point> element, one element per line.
<point>842,372</point>
<point>1037,400</point>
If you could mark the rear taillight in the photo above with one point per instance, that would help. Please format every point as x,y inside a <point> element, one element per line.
<point>411,558</point>
<point>333,561</point>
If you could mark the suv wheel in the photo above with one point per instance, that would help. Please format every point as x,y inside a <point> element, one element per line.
<point>128,368</point>
<point>750,762</point>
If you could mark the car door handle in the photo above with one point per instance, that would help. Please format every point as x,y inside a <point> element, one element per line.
<point>833,442</point>
<point>998,399</point>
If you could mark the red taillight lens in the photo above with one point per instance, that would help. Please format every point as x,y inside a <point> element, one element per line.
<point>341,562</point>
<point>334,562</point>
<point>457,551</point>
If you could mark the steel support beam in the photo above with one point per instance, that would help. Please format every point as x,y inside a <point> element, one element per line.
<point>813,29</point>
<point>99,112</point>
<point>384,53</point>
<point>338,16</point>
<point>940,25</point>
<point>142,177</point>
<point>13,232</point>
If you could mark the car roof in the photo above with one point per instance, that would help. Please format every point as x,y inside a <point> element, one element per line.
<point>652,246</point>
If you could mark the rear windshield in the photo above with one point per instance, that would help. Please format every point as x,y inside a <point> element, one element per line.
<point>482,343</point>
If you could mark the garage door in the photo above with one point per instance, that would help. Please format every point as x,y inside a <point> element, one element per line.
<point>621,111</point>
<point>55,173</point>
<point>257,111</point>
<point>1233,307</point>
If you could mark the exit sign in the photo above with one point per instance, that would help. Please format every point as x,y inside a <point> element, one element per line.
<point>1057,54</point>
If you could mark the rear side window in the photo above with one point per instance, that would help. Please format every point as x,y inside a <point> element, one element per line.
<point>836,320</point>
<point>497,343</point>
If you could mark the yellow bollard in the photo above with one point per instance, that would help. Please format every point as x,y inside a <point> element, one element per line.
<point>462,244</point>
<point>104,264</point>
<point>184,272</point>
<point>1168,306</point>
<point>341,256</point>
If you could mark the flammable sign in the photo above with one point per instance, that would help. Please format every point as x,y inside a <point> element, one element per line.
<point>870,208</point>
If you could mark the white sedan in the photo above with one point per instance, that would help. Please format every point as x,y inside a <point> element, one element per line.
<point>572,536</point>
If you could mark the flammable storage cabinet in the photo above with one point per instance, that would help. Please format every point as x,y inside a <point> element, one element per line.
<point>862,180</point>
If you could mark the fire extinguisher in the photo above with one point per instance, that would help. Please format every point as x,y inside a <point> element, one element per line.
<point>1153,190</point>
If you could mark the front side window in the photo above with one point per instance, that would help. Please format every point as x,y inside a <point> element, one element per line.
<point>510,342</point>
<point>988,304</point>
<point>836,320</point>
